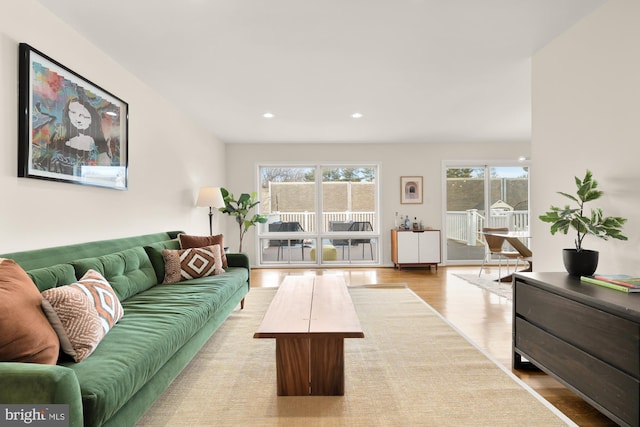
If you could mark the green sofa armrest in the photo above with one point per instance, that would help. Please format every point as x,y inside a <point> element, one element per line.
<point>237,259</point>
<point>32,383</point>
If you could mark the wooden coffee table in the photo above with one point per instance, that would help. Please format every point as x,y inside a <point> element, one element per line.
<point>309,318</point>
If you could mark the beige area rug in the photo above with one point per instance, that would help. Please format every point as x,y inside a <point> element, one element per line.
<point>411,369</point>
<point>490,283</point>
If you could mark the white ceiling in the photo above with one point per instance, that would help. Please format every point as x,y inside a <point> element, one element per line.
<point>418,70</point>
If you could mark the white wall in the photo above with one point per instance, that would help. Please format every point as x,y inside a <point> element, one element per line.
<point>396,160</point>
<point>586,114</point>
<point>170,156</point>
<point>585,93</point>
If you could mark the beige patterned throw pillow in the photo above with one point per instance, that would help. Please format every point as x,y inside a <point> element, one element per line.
<point>186,264</point>
<point>82,313</point>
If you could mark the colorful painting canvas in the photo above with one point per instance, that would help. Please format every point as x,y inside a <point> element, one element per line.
<point>71,130</point>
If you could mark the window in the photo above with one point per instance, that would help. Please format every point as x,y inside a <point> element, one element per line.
<point>469,190</point>
<point>320,214</point>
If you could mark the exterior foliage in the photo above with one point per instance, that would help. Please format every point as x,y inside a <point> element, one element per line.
<point>240,210</point>
<point>592,223</point>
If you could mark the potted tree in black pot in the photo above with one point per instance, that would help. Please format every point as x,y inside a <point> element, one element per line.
<point>579,261</point>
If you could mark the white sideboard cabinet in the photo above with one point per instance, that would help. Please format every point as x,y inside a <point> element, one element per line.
<point>414,248</point>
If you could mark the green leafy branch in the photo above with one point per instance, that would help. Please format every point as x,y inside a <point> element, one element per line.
<point>595,223</point>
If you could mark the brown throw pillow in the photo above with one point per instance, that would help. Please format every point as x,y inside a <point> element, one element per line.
<point>188,241</point>
<point>25,332</point>
<point>82,313</point>
<point>186,264</point>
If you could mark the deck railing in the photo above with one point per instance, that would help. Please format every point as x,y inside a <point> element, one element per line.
<point>308,219</point>
<point>462,226</point>
<point>466,226</point>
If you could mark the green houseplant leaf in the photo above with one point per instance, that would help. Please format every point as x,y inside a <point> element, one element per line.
<point>240,209</point>
<point>577,218</point>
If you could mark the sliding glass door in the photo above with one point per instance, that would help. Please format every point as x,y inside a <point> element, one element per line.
<point>319,214</point>
<point>478,196</point>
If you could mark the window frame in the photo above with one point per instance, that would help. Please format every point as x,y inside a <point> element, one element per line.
<point>319,234</point>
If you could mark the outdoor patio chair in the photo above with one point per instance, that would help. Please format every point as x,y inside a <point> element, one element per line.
<point>286,227</point>
<point>362,226</point>
<point>339,226</point>
<point>352,226</point>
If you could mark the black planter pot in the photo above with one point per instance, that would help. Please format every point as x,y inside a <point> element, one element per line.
<point>580,263</point>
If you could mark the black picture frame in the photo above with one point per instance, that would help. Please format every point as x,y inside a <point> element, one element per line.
<point>69,129</point>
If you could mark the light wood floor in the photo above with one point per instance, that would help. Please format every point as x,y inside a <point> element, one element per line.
<point>483,317</point>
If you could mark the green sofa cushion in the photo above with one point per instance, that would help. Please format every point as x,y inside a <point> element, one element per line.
<point>52,277</point>
<point>156,324</point>
<point>129,272</point>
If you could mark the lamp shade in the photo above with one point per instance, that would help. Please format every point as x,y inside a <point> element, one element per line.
<point>211,197</point>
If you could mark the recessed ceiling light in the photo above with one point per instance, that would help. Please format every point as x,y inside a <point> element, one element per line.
<point>356,115</point>
<point>268,115</point>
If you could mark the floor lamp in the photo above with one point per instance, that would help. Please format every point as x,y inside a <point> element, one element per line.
<point>211,197</point>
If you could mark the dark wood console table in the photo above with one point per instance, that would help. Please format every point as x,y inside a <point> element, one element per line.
<point>586,336</point>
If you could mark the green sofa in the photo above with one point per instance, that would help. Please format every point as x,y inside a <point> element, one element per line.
<point>163,327</point>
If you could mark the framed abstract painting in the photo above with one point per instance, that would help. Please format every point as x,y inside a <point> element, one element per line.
<point>410,190</point>
<point>70,129</point>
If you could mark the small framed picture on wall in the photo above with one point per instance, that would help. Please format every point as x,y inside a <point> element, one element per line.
<point>410,190</point>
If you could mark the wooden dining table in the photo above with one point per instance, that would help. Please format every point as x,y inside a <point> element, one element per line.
<point>515,240</point>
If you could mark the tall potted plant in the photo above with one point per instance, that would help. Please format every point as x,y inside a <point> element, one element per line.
<point>240,210</point>
<point>579,261</point>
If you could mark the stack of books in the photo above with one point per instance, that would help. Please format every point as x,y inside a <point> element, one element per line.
<point>619,282</point>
